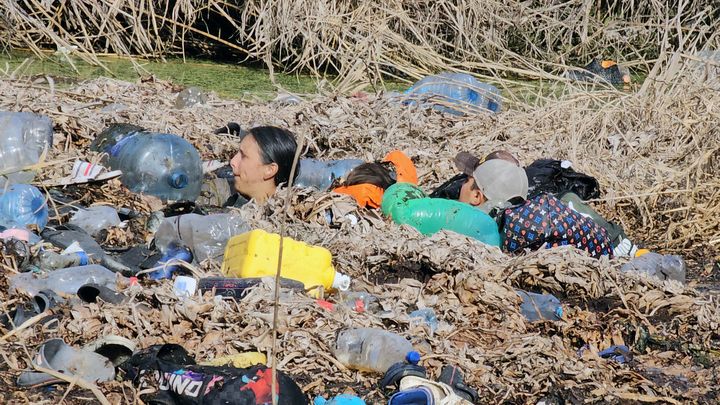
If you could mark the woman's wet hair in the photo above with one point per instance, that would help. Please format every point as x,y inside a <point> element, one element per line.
<point>370,173</point>
<point>277,146</point>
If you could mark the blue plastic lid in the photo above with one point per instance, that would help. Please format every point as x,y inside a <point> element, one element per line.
<point>413,357</point>
<point>83,258</point>
<point>559,312</point>
<point>178,180</point>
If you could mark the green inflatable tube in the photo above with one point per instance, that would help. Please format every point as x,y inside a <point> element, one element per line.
<point>407,204</point>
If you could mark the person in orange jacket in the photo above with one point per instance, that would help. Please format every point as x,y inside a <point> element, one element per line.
<point>367,183</point>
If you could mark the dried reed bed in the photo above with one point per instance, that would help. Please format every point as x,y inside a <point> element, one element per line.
<point>654,150</point>
<point>365,41</point>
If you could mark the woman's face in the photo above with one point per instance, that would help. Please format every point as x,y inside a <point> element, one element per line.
<point>251,174</point>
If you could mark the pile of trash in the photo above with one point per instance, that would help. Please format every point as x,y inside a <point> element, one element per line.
<point>111,287</point>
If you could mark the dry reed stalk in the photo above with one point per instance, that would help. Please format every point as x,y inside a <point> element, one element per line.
<point>395,39</point>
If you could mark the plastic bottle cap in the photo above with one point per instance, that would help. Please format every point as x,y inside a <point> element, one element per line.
<point>178,180</point>
<point>559,312</point>
<point>413,357</point>
<point>83,258</point>
<point>641,252</point>
<point>341,282</point>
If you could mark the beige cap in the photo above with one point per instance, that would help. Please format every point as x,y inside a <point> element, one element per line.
<point>500,180</point>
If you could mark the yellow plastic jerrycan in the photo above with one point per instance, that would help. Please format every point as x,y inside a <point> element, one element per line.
<point>255,254</point>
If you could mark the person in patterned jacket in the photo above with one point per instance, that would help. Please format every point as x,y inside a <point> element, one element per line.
<point>500,187</point>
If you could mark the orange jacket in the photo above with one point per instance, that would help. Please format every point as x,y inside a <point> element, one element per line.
<point>370,195</point>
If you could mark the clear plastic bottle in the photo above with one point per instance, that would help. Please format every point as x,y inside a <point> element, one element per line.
<point>48,260</point>
<point>64,281</point>
<point>22,205</point>
<point>425,316</point>
<point>664,267</point>
<point>446,89</point>
<point>205,235</point>
<point>537,307</point>
<point>360,301</point>
<point>320,174</point>
<point>370,349</point>
<point>94,219</point>
<point>112,135</point>
<point>23,138</point>
<point>163,165</point>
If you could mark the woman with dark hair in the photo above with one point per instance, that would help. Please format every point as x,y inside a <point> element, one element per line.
<point>263,162</point>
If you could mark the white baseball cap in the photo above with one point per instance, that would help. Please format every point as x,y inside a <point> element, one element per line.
<point>500,180</point>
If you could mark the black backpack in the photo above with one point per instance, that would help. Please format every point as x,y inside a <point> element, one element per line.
<point>548,176</point>
<point>179,381</point>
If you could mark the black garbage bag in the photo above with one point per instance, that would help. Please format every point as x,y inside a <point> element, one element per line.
<point>178,380</point>
<point>549,176</point>
<point>450,190</point>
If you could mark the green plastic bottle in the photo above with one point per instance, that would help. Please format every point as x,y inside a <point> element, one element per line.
<point>406,204</point>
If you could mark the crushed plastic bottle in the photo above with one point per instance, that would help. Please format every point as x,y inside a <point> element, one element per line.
<point>664,267</point>
<point>94,219</point>
<point>190,97</point>
<point>455,93</point>
<point>23,138</point>
<point>22,205</point>
<point>162,165</point>
<point>205,235</point>
<point>64,281</point>
<point>49,260</point>
<point>425,316</point>
<point>370,349</point>
<point>360,301</point>
<point>536,307</point>
<point>320,174</point>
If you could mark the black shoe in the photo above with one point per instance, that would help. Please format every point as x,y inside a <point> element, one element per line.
<point>453,376</point>
<point>397,371</point>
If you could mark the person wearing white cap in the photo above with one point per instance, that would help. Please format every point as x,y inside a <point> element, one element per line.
<point>500,187</point>
<point>494,183</point>
<point>499,182</point>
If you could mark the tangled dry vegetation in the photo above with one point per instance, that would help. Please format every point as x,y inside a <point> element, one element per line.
<point>655,151</point>
<point>369,40</point>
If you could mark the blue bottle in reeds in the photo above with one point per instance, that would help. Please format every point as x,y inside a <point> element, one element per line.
<point>455,93</point>
<point>320,174</point>
<point>22,205</point>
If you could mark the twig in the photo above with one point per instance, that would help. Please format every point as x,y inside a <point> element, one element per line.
<point>80,382</point>
<point>276,296</point>
<point>30,322</point>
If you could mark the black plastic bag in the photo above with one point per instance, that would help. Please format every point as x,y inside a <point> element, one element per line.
<point>450,190</point>
<point>548,176</point>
